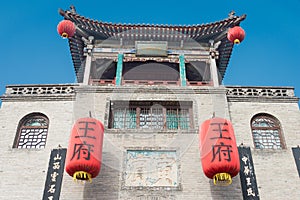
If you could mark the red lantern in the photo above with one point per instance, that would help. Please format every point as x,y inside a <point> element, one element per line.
<point>84,154</point>
<point>218,149</point>
<point>66,28</point>
<point>236,34</point>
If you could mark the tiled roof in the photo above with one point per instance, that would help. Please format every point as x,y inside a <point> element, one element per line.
<point>102,30</point>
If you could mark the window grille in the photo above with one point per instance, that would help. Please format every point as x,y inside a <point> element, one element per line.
<point>32,131</point>
<point>151,115</point>
<point>151,118</point>
<point>266,132</point>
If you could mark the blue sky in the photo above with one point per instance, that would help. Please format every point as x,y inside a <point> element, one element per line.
<point>33,53</point>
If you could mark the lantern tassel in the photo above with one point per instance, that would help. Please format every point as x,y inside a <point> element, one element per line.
<point>222,179</point>
<point>64,35</point>
<point>237,41</point>
<point>82,175</point>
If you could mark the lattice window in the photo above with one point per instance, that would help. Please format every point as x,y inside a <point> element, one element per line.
<point>32,131</point>
<point>266,132</point>
<point>160,115</point>
<point>124,118</point>
<point>178,118</point>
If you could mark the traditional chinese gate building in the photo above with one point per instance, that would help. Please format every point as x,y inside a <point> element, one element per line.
<point>151,86</point>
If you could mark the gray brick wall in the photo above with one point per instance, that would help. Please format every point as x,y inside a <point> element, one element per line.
<point>23,171</point>
<point>276,172</point>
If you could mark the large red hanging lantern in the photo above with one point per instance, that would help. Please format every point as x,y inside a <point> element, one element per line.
<point>218,149</point>
<point>236,34</point>
<point>66,28</point>
<point>84,155</point>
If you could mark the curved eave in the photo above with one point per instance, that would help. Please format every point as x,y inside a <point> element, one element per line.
<point>102,30</point>
<point>225,50</point>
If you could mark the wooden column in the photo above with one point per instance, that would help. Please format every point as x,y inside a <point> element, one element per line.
<point>87,69</point>
<point>119,70</point>
<point>214,72</point>
<point>182,70</point>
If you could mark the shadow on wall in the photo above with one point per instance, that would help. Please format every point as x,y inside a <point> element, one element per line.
<point>230,192</point>
<point>106,185</point>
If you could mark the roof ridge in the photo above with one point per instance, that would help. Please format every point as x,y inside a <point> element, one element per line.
<point>66,14</point>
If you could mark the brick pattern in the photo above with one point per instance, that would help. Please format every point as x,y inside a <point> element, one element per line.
<point>40,89</point>
<point>260,92</point>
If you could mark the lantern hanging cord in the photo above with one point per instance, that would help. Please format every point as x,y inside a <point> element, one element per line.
<point>222,179</point>
<point>82,175</point>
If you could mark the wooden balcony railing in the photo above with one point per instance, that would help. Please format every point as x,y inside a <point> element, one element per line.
<point>199,83</point>
<point>148,82</point>
<point>102,81</point>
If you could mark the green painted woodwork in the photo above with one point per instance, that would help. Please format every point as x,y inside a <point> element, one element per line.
<point>182,70</point>
<point>119,70</point>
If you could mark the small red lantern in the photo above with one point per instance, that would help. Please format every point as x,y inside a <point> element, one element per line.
<point>84,155</point>
<point>218,149</point>
<point>66,28</point>
<point>236,34</point>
